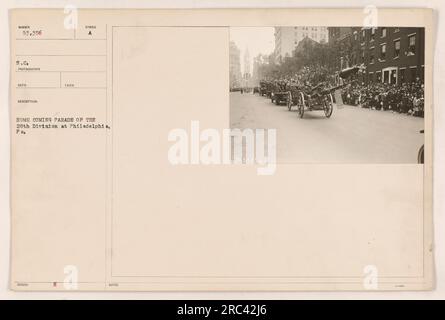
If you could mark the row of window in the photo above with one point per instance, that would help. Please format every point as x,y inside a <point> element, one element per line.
<point>313,35</point>
<point>373,33</point>
<point>312,28</point>
<point>392,76</point>
<point>411,50</point>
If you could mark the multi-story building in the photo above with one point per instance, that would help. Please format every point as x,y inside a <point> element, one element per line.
<point>288,38</point>
<point>337,33</point>
<point>247,81</point>
<point>393,55</point>
<point>246,73</point>
<point>259,62</point>
<point>390,54</point>
<point>234,65</point>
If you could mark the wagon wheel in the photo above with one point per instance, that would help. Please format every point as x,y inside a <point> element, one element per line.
<point>301,104</point>
<point>277,101</point>
<point>328,106</point>
<point>420,158</point>
<point>289,101</point>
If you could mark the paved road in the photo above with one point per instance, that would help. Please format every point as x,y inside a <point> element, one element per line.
<point>351,135</point>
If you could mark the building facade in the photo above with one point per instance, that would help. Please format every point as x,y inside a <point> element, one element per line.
<point>391,55</point>
<point>337,33</point>
<point>246,66</point>
<point>288,38</point>
<point>234,65</point>
<point>259,62</point>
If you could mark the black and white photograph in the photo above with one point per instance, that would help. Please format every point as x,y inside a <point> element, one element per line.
<point>333,94</point>
<point>227,152</point>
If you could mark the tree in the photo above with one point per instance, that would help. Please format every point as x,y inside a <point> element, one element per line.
<point>323,57</point>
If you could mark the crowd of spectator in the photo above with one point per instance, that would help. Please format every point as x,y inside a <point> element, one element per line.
<point>407,97</point>
<point>404,98</point>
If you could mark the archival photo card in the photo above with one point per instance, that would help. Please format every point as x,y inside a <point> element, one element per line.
<point>221,149</point>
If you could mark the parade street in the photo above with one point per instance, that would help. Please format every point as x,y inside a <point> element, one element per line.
<point>351,135</point>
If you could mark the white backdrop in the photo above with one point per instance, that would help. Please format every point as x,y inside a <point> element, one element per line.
<point>439,157</point>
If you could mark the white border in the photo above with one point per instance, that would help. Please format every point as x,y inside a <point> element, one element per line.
<point>439,150</point>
